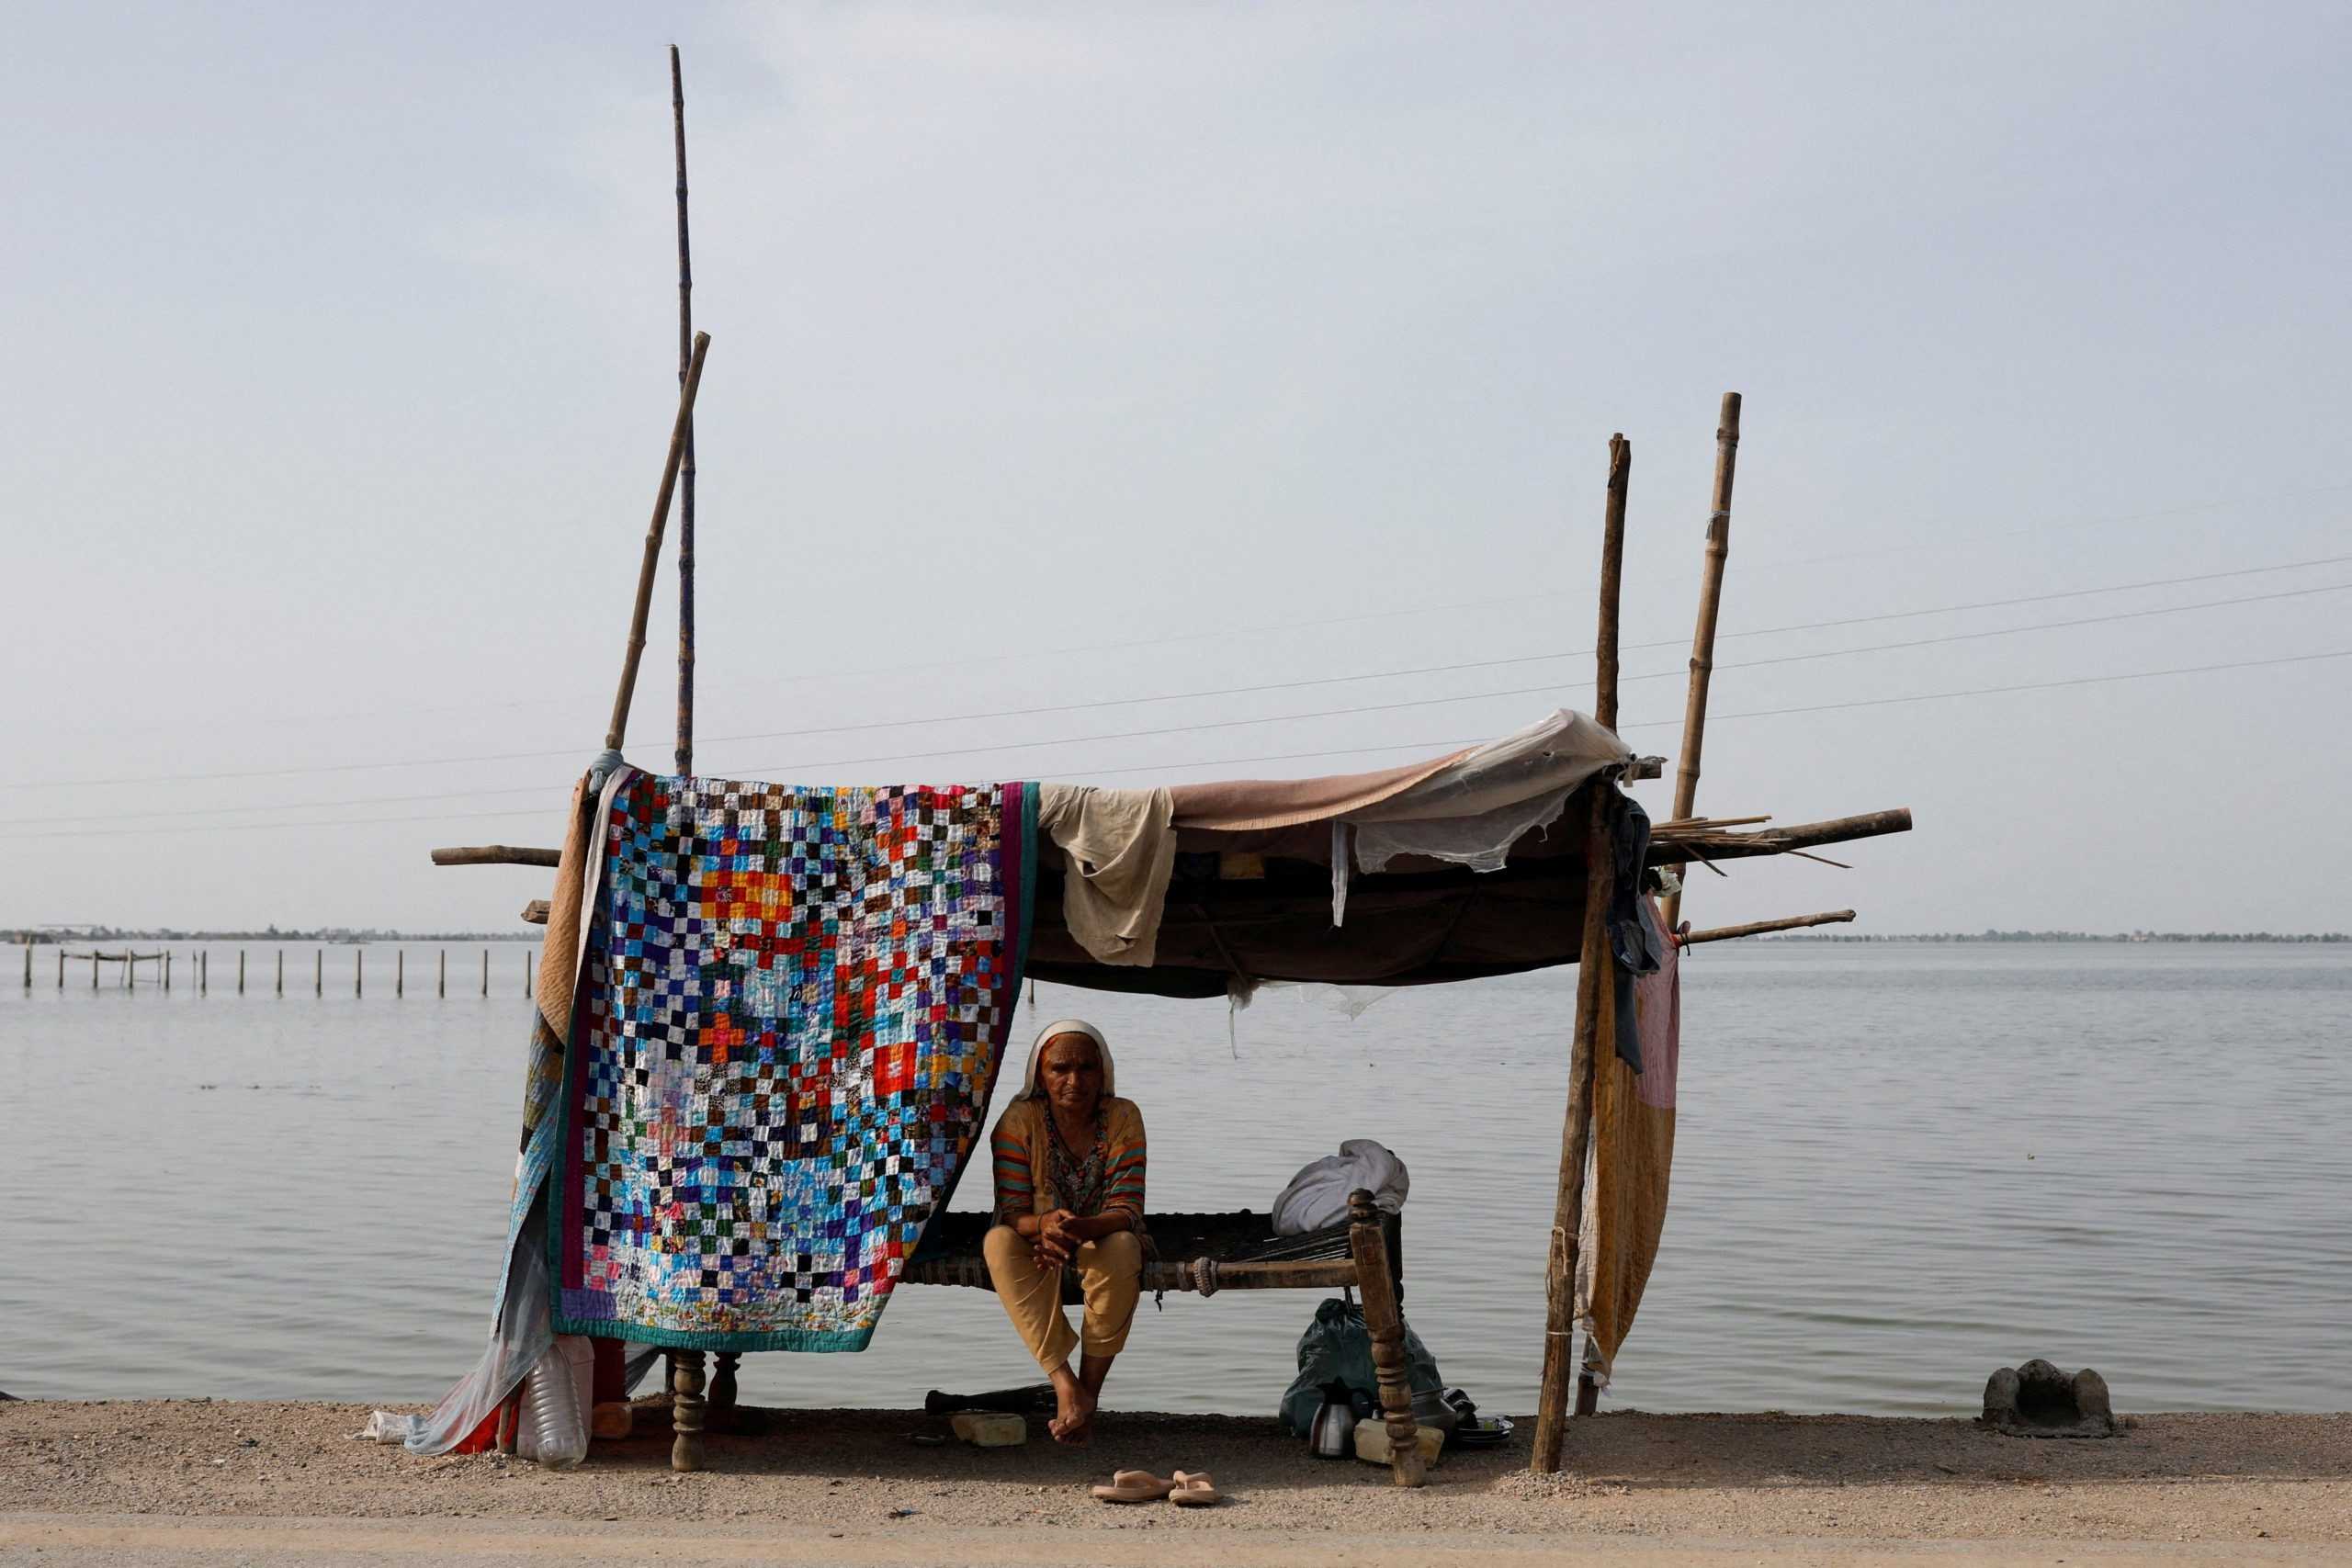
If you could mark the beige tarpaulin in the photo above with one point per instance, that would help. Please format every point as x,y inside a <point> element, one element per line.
<point>1632,1157</point>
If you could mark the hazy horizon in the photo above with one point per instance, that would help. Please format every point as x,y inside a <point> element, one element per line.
<point>1156,395</point>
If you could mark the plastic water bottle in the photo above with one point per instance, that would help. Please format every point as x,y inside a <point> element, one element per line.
<point>555,1411</point>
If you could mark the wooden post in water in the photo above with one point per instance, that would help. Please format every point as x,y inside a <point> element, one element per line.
<point>359,968</point>
<point>485,971</point>
<point>281,971</point>
<point>1702,642</point>
<point>61,968</point>
<point>130,969</point>
<point>1592,986</point>
<point>400,972</point>
<point>28,964</point>
<point>240,971</point>
<point>527,971</point>
<point>167,968</point>
<point>203,972</point>
<point>94,968</point>
<point>441,983</point>
<point>319,973</point>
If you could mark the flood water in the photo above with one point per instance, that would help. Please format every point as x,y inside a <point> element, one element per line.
<point>1899,1166</point>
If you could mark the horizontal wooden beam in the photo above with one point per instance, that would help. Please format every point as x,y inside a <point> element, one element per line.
<point>1758,928</point>
<point>496,854</point>
<point>1673,846</point>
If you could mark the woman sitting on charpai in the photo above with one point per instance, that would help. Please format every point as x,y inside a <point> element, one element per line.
<point>1070,1158</point>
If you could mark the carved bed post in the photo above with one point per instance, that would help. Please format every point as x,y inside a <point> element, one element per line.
<point>685,1409</point>
<point>722,1380</point>
<point>1386,1324</point>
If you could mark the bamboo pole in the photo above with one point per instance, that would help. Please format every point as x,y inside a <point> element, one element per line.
<point>1702,642</point>
<point>653,562</point>
<point>1758,928</point>
<point>685,747</point>
<point>1592,964</point>
<point>1613,565</point>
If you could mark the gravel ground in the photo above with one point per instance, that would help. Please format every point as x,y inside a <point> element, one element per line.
<point>2272,1487</point>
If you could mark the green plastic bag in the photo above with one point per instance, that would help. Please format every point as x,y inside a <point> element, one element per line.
<point>1336,1347</point>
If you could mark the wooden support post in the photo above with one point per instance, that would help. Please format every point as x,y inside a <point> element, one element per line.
<point>485,971</point>
<point>722,1380</point>
<point>94,969</point>
<point>61,968</point>
<point>1612,573</point>
<point>618,731</point>
<point>1593,979</point>
<point>399,971</point>
<point>1384,1321</point>
<point>685,746</point>
<point>281,971</point>
<point>240,971</point>
<point>167,968</point>
<point>527,971</point>
<point>441,981</point>
<point>319,973</point>
<point>203,971</point>
<point>686,1409</point>
<point>1702,642</point>
<point>28,964</point>
<point>130,970</point>
<point>358,969</point>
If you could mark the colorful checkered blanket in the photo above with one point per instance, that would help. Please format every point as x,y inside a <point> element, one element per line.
<point>788,1023</point>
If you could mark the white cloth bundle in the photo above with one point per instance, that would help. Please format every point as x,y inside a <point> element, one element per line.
<point>1318,1195</point>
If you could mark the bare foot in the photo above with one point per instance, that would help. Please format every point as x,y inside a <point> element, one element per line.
<point>1073,1420</point>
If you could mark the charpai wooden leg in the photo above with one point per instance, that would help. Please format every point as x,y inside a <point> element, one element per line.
<point>686,1409</point>
<point>722,1380</point>
<point>1386,1324</point>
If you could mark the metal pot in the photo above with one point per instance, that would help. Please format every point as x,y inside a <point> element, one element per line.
<point>1333,1436</point>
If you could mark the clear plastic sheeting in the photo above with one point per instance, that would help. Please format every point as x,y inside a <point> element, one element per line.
<point>519,1340</point>
<point>1472,810</point>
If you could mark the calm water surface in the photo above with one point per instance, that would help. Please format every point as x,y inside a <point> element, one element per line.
<point>1900,1165</point>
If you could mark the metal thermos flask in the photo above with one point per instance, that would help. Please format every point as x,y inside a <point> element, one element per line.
<point>1334,1433</point>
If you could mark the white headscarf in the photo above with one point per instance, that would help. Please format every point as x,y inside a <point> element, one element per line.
<point>1031,1090</point>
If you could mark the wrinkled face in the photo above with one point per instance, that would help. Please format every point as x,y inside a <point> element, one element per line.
<point>1071,1072</point>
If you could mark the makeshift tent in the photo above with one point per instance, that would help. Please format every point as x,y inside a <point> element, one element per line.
<point>1498,860</point>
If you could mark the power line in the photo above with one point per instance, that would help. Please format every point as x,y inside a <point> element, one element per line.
<point>1263,687</point>
<point>1364,616</point>
<point>1420,748</point>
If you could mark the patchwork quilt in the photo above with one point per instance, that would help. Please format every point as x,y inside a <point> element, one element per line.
<point>791,1010</point>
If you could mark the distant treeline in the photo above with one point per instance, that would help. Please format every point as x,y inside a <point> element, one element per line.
<point>269,934</point>
<point>2081,936</point>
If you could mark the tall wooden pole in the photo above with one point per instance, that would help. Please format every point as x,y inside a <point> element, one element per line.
<point>1703,642</point>
<point>1592,976</point>
<point>653,562</point>
<point>685,748</point>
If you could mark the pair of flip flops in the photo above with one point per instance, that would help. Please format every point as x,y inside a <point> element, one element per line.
<point>1190,1489</point>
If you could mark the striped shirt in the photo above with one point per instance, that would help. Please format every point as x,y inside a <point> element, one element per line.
<point>1106,1177</point>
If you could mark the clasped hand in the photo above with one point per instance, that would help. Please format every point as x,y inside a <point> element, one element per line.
<point>1058,1238</point>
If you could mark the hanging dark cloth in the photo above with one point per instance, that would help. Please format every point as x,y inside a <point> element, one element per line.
<point>1636,947</point>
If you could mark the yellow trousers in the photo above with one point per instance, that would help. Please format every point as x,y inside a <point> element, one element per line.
<point>1110,1271</point>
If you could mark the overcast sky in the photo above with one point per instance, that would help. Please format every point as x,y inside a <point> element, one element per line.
<point>1070,356</point>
